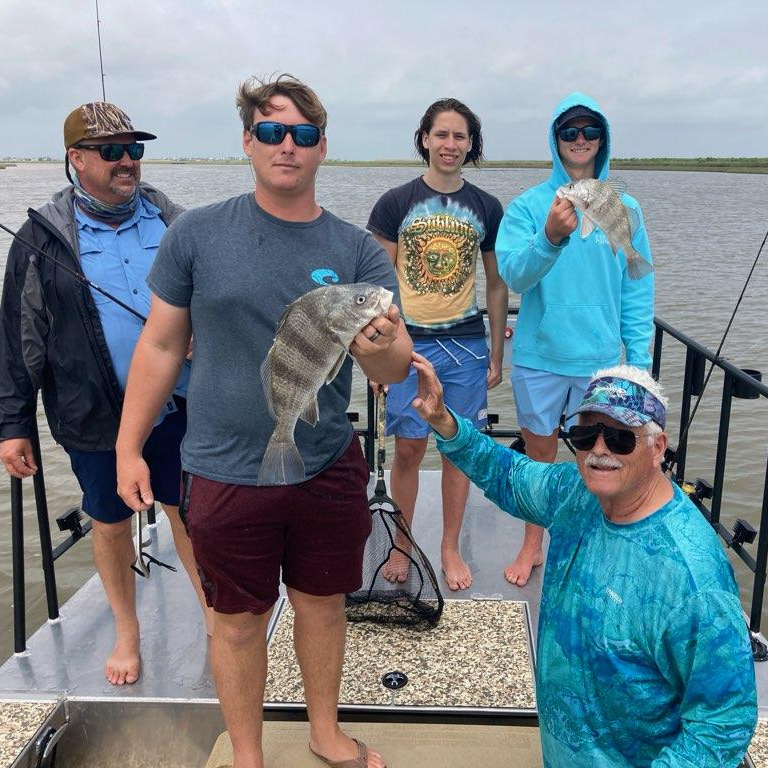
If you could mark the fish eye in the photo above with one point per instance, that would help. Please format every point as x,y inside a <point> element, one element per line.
<point>360,298</point>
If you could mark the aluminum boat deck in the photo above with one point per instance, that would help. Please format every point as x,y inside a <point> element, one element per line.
<point>171,717</point>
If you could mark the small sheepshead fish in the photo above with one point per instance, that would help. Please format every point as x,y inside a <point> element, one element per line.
<point>600,205</point>
<point>311,343</point>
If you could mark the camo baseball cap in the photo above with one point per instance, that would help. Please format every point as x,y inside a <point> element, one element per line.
<point>626,401</point>
<point>98,120</point>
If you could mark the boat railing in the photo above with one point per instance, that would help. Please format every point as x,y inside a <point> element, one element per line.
<point>737,383</point>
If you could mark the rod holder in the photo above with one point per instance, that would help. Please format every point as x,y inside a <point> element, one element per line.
<point>742,390</point>
<point>743,533</point>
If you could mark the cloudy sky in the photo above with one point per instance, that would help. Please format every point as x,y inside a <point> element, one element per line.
<point>675,78</point>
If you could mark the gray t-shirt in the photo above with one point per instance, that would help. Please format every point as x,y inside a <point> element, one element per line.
<point>237,268</point>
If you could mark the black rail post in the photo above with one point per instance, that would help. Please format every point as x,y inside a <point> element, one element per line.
<point>722,448</point>
<point>44,527</point>
<point>17,550</point>
<point>762,553</point>
<point>685,413</point>
<point>657,343</point>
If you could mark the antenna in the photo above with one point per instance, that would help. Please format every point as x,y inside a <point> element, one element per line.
<point>101,61</point>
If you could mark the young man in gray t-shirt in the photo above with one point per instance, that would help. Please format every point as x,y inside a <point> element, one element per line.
<point>226,273</point>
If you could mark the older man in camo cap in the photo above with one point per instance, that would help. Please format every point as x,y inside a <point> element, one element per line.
<point>75,345</point>
<point>643,653</point>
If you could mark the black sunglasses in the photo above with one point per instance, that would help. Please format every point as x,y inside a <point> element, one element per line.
<point>619,441</point>
<point>270,132</point>
<point>590,133</point>
<point>114,152</point>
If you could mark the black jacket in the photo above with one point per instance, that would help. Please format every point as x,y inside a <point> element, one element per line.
<point>51,338</point>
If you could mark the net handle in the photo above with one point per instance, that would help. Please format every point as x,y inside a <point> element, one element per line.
<point>381,408</point>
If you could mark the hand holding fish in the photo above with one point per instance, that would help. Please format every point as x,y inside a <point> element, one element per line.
<point>601,206</point>
<point>429,399</point>
<point>378,335</point>
<point>561,220</point>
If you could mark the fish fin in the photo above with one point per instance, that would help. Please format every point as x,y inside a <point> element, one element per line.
<point>282,463</point>
<point>587,225</point>
<point>634,220</point>
<point>311,413</point>
<point>637,266</point>
<point>266,383</point>
<point>619,186</point>
<point>334,372</point>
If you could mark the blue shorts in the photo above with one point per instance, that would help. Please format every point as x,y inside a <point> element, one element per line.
<point>96,471</point>
<point>542,397</point>
<point>461,365</point>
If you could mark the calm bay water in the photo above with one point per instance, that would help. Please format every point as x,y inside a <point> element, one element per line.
<point>704,229</point>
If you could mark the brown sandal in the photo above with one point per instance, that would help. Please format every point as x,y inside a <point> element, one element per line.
<point>361,761</point>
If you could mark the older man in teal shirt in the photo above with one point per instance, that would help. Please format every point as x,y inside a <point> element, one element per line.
<point>644,657</point>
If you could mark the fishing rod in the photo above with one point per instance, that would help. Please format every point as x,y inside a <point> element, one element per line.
<point>101,60</point>
<point>684,433</point>
<point>79,276</point>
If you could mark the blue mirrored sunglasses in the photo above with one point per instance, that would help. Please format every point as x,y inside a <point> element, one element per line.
<point>271,132</point>
<point>590,133</point>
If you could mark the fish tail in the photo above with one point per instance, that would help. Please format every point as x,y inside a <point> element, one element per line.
<point>637,266</point>
<point>282,463</point>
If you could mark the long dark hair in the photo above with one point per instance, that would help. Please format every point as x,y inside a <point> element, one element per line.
<point>475,154</point>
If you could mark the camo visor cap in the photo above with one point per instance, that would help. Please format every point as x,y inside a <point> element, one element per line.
<point>99,120</point>
<point>626,401</point>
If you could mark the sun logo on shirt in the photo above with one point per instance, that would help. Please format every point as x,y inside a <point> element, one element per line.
<point>440,253</point>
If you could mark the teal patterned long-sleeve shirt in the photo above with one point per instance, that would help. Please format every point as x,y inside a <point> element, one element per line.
<point>643,652</point>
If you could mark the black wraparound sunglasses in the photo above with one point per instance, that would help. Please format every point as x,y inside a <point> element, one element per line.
<point>114,152</point>
<point>270,132</point>
<point>590,133</point>
<point>619,441</point>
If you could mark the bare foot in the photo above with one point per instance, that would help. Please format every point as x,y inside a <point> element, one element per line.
<point>340,747</point>
<point>519,571</point>
<point>456,571</point>
<point>123,666</point>
<point>396,568</point>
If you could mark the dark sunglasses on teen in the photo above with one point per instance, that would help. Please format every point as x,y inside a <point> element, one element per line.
<point>590,133</point>
<point>114,152</point>
<point>619,441</point>
<point>270,132</point>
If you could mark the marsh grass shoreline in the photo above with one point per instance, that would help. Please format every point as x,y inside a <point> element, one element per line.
<point>703,164</point>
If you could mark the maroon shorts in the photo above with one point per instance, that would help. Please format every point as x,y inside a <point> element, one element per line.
<point>242,535</point>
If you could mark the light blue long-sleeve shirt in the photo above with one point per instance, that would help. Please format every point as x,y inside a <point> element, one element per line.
<point>118,260</point>
<point>578,305</point>
<point>644,658</point>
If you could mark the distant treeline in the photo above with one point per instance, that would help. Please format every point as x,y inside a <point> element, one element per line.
<point>711,164</point>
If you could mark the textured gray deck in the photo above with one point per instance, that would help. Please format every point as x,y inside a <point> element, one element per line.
<point>477,658</point>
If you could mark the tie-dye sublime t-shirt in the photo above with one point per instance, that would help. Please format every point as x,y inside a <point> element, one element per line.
<point>438,239</point>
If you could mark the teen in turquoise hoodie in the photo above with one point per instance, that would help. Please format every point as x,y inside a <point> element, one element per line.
<point>578,306</point>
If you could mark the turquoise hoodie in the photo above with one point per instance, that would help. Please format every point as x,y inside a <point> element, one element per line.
<point>578,305</point>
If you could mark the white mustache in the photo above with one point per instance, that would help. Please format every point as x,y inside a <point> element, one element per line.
<point>603,462</point>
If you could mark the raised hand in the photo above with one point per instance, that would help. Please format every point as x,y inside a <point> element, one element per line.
<point>429,399</point>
